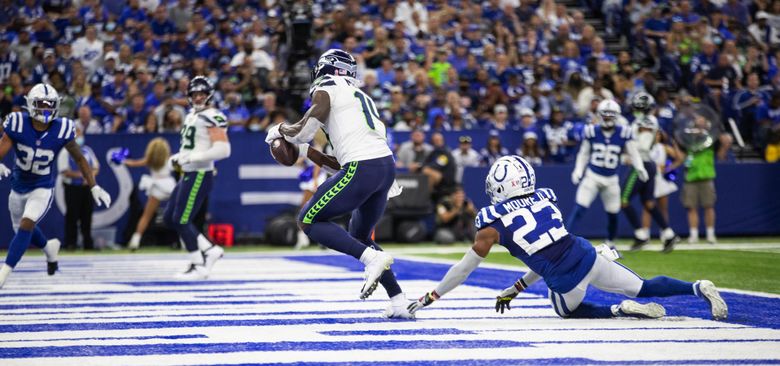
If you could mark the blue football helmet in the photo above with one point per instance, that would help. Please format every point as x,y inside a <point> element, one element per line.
<point>335,62</point>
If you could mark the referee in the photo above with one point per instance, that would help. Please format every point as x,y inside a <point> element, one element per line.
<point>78,199</point>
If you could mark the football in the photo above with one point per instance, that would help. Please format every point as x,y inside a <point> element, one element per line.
<point>284,152</point>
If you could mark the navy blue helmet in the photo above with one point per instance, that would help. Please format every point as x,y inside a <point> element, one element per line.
<point>642,102</point>
<point>200,84</point>
<point>335,62</point>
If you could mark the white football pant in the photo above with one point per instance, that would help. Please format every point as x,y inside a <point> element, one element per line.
<point>605,275</point>
<point>593,184</point>
<point>32,205</point>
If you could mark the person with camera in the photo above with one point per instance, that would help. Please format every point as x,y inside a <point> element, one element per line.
<point>454,218</point>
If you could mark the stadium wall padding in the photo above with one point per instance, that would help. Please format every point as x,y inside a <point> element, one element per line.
<point>250,188</point>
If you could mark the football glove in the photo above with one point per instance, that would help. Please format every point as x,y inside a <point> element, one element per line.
<point>273,133</point>
<point>576,177</point>
<point>4,171</point>
<point>179,159</point>
<point>424,301</point>
<point>642,174</point>
<point>101,197</point>
<point>506,296</point>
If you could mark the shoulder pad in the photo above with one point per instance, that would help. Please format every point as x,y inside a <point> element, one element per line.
<point>14,123</point>
<point>213,118</point>
<point>321,82</point>
<point>486,216</point>
<point>547,193</point>
<point>67,129</point>
<point>626,133</point>
<point>588,132</point>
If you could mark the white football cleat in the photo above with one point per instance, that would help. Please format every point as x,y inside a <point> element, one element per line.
<point>5,271</point>
<point>212,255</point>
<point>634,309</point>
<point>194,272</point>
<point>398,312</point>
<point>51,250</point>
<point>707,290</point>
<point>374,270</point>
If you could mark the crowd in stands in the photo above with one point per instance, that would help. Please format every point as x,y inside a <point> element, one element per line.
<point>535,68</point>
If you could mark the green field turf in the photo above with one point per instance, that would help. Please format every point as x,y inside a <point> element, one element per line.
<point>744,270</point>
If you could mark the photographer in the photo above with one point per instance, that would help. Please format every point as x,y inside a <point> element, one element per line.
<point>455,218</point>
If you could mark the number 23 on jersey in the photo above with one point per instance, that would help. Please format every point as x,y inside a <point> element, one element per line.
<point>541,225</point>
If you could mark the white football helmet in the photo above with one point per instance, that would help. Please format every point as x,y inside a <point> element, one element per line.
<point>609,112</point>
<point>43,102</point>
<point>510,176</point>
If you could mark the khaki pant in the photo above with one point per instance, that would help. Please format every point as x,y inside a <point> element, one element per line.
<point>698,194</point>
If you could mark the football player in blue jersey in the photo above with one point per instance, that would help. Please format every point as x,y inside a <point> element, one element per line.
<point>602,145</point>
<point>527,222</point>
<point>37,136</point>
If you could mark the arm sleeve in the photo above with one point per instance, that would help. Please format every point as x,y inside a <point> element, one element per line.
<point>582,158</point>
<point>530,278</point>
<point>219,150</point>
<point>307,132</point>
<point>459,272</point>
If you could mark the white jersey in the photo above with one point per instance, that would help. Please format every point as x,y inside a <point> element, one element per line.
<point>353,126</point>
<point>195,135</point>
<point>645,140</point>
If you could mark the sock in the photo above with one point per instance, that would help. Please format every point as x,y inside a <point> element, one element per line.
<point>633,218</point>
<point>189,236</point>
<point>196,257</point>
<point>575,216</point>
<point>18,246</point>
<point>642,234</point>
<point>336,238</point>
<point>663,286</point>
<point>368,255</point>
<point>399,300</point>
<point>710,232</point>
<point>590,311</point>
<point>135,240</point>
<point>612,226</point>
<point>203,243</point>
<point>658,218</point>
<point>38,239</point>
<point>694,233</point>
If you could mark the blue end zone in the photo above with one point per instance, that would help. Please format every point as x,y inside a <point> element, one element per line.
<point>756,311</point>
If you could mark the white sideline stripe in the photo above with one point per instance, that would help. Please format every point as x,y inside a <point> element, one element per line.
<point>270,198</point>
<point>267,171</point>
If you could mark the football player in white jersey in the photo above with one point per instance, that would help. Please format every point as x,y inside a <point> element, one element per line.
<point>203,141</point>
<point>37,136</point>
<point>645,128</point>
<point>350,120</point>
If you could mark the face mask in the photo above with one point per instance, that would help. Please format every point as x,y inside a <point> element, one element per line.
<point>80,140</point>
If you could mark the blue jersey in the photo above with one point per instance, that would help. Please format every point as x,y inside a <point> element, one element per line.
<point>531,228</point>
<point>36,150</point>
<point>605,150</point>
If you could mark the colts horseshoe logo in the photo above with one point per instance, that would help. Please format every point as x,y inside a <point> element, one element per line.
<point>121,202</point>
<point>495,174</point>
